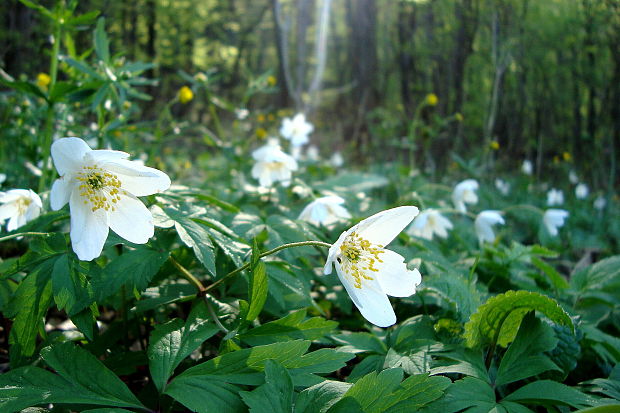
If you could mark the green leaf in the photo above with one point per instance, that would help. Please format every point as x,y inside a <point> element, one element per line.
<point>293,326</point>
<point>102,46</point>
<point>276,395</point>
<point>469,394</point>
<point>555,279</point>
<point>29,306</point>
<point>455,289</point>
<point>609,408</point>
<point>81,379</point>
<point>257,291</point>
<point>72,290</point>
<point>604,275</point>
<point>320,397</point>
<point>60,90</point>
<point>469,362</point>
<point>134,269</point>
<point>359,343</point>
<point>384,392</point>
<point>497,320</point>
<point>524,358</point>
<point>195,236</point>
<point>547,392</point>
<point>25,87</point>
<point>172,342</point>
<point>83,68</point>
<point>32,5</point>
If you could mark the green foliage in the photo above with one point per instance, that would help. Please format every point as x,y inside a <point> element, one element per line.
<point>497,320</point>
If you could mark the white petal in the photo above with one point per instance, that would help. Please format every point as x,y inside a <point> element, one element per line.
<point>8,210</point>
<point>89,229</point>
<point>370,301</point>
<point>61,192</point>
<point>393,276</point>
<point>382,228</point>
<point>106,155</point>
<point>334,250</point>
<point>33,211</point>
<point>68,154</point>
<point>137,179</point>
<point>132,220</point>
<point>15,222</point>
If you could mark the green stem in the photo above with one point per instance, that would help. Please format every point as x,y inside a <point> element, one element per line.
<point>187,275</point>
<point>264,254</point>
<point>22,234</point>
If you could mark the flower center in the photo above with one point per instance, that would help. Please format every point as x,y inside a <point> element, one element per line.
<point>358,257</point>
<point>22,205</point>
<point>99,187</point>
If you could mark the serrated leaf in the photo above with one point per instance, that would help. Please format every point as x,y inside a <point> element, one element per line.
<point>550,392</point>
<point>555,279</point>
<point>276,395</point>
<point>464,395</point>
<point>469,362</point>
<point>172,342</point>
<point>293,326</point>
<point>257,291</point>
<point>497,321</point>
<point>359,343</point>
<point>455,289</point>
<point>524,358</point>
<point>320,397</point>
<point>195,236</point>
<point>135,268</point>
<point>72,290</point>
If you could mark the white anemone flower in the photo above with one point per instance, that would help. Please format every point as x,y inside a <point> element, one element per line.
<point>484,225</point>
<point>336,160</point>
<point>272,164</point>
<point>2,178</point>
<point>600,202</point>
<point>465,192</point>
<point>527,167</point>
<point>555,197</point>
<point>554,219</point>
<point>582,191</point>
<point>572,177</point>
<point>368,271</point>
<point>101,187</point>
<point>325,211</point>
<point>430,222</point>
<point>296,130</point>
<point>502,186</point>
<point>18,207</point>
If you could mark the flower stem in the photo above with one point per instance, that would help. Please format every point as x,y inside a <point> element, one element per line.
<point>264,254</point>
<point>22,234</point>
<point>187,275</point>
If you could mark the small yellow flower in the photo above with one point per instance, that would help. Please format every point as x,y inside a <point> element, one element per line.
<point>117,133</point>
<point>43,80</point>
<point>270,117</point>
<point>567,156</point>
<point>260,118</point>
<point>185,94</point>
<point>494,145</point>
<point>187,164</point>
<point>556,159</point>
<point>458,117</point>
<point>261,133</point>
<point>431,99</point>
<point>271,80</point>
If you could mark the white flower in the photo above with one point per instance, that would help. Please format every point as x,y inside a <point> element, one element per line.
<point>502,186</point>
<point>600,202</point>
<point>296,130</point>
<point>19,206</point>
<point>2,178</point>
<point>554,219</point>
<point>582,191</point>
<point>336,160</point>
<point>325,211</point>
<point>527,167</point>
<point>465,192</point>
<point>241,113</point>
<point>484,225</point>
<point>312,153</point>
<point>368,271</point>
<point>555,197</point>
<point>272,165</point>
<point>101,187</point>
<point>430,222</point>
<point>572,177</point>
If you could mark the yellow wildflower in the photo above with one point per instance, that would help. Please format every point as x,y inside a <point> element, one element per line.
<point>261,133</point>
<point>270,117</point>
<point>271,80</point>
<point>567,156</point>
<point>494,145</point>
<point>431,99</point>
<point>185,94</point>
<point>458,117</point>
<point>260,118</point>
<point>43,80</point>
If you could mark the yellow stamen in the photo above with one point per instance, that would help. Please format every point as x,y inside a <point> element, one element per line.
<point>357,257</point>
<point>99,187</point>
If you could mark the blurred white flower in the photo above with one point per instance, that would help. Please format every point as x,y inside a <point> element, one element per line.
<point>572,177</point>
<point>600,202</point>
<point>101,187</point>
<point>465,192</point>
<point>241,114</point>
<point>93,126</point>
<point>484,225</point>
<point>35,170</point>
<point>272,164</point>
<point>312,153</point>
<point>336,160</point>
<point>368,271</point>
<point>502,186</point>
<point>527,167</point>
<point>2,178</point>
<point>296,130</point>
<point>430,222</point>
<point>554,219</point>
<point>582,191</point>
<point>107,105</point>
<point>555,197</point>
<point>18,207</point>
<point>325,211</point>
